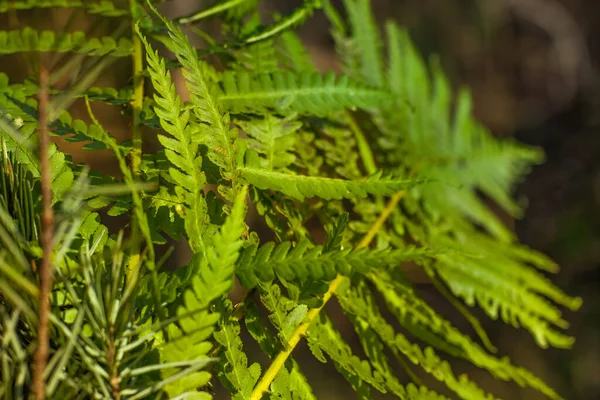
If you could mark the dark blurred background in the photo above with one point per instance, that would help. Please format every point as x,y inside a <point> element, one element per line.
<point>532,66</point>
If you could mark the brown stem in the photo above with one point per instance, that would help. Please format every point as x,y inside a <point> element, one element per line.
<point>114,372</point>
<point>45,271</point>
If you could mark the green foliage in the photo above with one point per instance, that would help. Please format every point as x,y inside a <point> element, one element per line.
<point>29,39</point>
<point>354,177</point>
<point>285,92</point>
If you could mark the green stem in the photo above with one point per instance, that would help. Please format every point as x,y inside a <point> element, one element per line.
<point>136,136</point>
<point>140,221</point>
<point>363,146</point>
<point>138,99</point>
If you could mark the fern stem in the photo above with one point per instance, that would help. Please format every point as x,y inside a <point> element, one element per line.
<point>45,272</point>
<point>140,222</point>
<point>363,146</point>
<point>136,136</point>
<point>387,211</point>
<point>209,12</point>
<point>263,385</point>
<point>138,97</point>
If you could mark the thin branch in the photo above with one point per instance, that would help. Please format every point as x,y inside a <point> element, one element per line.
<point>140,222</point>
<point>364,149</point>
<point>263,385</point>
<point>136,133</point>
<point>45,271</point>
<point>138,99</point>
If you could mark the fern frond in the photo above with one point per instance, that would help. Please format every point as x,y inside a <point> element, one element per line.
<point>181,149</point>
<point>302,261</point>
<point>232,9</point>
<point>259,57</point>
<point>302,186</point>
<point>375,351</point>
<point>110,95</point>
<point>290,382</point>
<point>309,148</point>
<point>323,339</point>
<point>235,372</point>
<point>285,314</point>
<point>461,153</point>
<point>105,8</point>
<point>340,152</point>
<point>82,132</point>
<point>517,300</point>
<point>18,91</point>
<point>61,174</point>
<point>294,54</point>
<point>287,92</point>
<point>427,325</point>
<point>214,279</point>
<point>358,301</point>
<point>295,18</point>
<point>274,138</point>
<point>367,41</point>
<point>28,39</point>
<point>215,131</point>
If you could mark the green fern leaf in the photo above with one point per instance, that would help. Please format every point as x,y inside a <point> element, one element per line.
<point>105,8</point>
<point>461,153</point>
<point>82,132</point>
<point>290,382</point>
<point>235,371</point>
<point>61,174</point>
<point>367,41</point>
<point>287,92</point>
<point>215,131</point>
<point>214,279</point>
<point>181,149</point>
<point>302,261</point>
<point>28,39</point>
<point>274,138</point>
<point>422,321</point>
<point>110,95</point>
<point>359,302</point>
<point>295,18</point>
<point>323,339</point>
<point>302,186</point>
<point>293,53</point>
<point>376,353</point>
<point>258,57</point>
<point>285,314</point>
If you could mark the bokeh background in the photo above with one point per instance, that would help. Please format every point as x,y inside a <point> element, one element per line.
<point>532,66</point>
